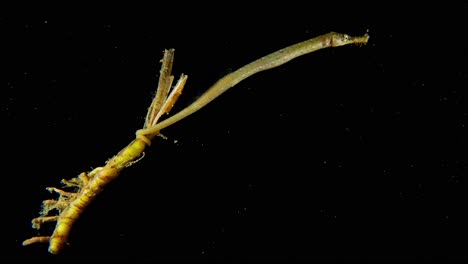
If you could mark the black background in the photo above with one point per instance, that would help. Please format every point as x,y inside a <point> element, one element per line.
<point>344,154</point>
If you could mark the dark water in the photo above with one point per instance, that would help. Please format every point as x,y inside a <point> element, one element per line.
<point>350,153</point>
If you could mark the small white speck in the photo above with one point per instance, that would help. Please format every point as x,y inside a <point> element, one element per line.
<point>45,21</point>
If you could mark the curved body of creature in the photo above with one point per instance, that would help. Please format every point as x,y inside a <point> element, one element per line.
<point>87,186</point>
